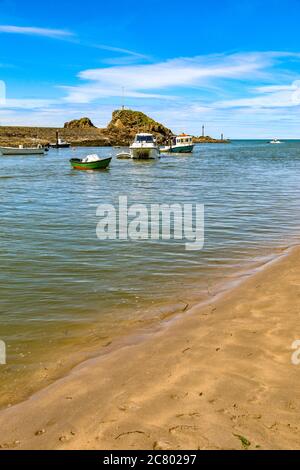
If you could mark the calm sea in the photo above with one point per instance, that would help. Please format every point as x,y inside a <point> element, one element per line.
<point>64,294</point>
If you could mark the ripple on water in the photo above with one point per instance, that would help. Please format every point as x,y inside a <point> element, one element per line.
<point>63,292</point>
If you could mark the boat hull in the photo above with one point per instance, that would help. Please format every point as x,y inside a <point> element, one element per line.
<point>60,146</point>
<point>178,149</point>
<point>20,151</point>
<point>143,153</point>
<point>98,165</point>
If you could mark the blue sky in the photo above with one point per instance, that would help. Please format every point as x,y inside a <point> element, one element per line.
<point>231,65</point>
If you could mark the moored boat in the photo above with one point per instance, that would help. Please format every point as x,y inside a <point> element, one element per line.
<point>91,162</point>
<point>21,150</point>
<point>144,147</point>
<point>123,155</point>
<point>60,144</point>
<point>182,143</point>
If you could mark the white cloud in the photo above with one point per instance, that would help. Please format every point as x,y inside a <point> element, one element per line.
<point>55,115</point>
<point>242,95</point>
<point>141,80</point>
<point>88,94</point>
<point>277,96</point>
<point>67,35</point>
<point>33,103</point>
<point>35,31</point>
<point>274,88</point>
<point>2,92</point>
<point>119,50</point>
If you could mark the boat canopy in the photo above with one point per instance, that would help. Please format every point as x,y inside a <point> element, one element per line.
<point>91,158</point>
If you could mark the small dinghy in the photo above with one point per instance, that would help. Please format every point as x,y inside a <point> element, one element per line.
<point>123,156</point>
<point>91,162</point>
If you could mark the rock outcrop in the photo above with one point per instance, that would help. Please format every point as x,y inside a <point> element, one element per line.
<point>83,123</point>
<point>126,123</point>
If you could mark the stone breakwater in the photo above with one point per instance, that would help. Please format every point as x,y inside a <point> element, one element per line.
<point>32,136</point>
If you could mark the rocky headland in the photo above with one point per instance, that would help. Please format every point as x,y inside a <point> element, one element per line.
<point>209,140</point>
<point>82,132</point>
<point>120,131</point>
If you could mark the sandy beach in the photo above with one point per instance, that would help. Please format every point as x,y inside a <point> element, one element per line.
<point>218,377</point>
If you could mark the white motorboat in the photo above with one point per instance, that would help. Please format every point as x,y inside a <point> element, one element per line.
<point>21,150</point>
<point>275,141</point>
<point>144,147</point>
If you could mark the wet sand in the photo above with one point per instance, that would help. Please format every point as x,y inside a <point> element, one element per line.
<point>219,376</point>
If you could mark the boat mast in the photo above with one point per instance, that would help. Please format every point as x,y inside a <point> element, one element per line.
<point>123,98</point>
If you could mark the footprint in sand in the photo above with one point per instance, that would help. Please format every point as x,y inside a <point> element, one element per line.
<point>178,396</point>
<point>130,406</point>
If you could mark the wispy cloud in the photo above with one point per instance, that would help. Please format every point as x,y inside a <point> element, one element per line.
<point>254,94</point>
<point>35,31</point>
<point>26,103</point>
<point>119,50</point>
<point>142,80</point>
<point>276,96</point>
<point>70,37</point>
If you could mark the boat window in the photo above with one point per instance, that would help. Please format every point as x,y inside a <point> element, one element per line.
<point>144,138</point>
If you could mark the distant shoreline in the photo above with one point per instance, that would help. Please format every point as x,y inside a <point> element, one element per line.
<point>31,136</point>
<point>91,137</point>
<point>210,140</point>
<point>120,131</point>
<point>13,136</point>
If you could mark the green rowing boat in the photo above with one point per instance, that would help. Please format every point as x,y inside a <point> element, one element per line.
<point>78,164</point>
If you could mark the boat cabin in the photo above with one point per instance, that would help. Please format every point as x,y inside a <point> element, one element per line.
<point>184,139</point>
<point>144,139</point>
